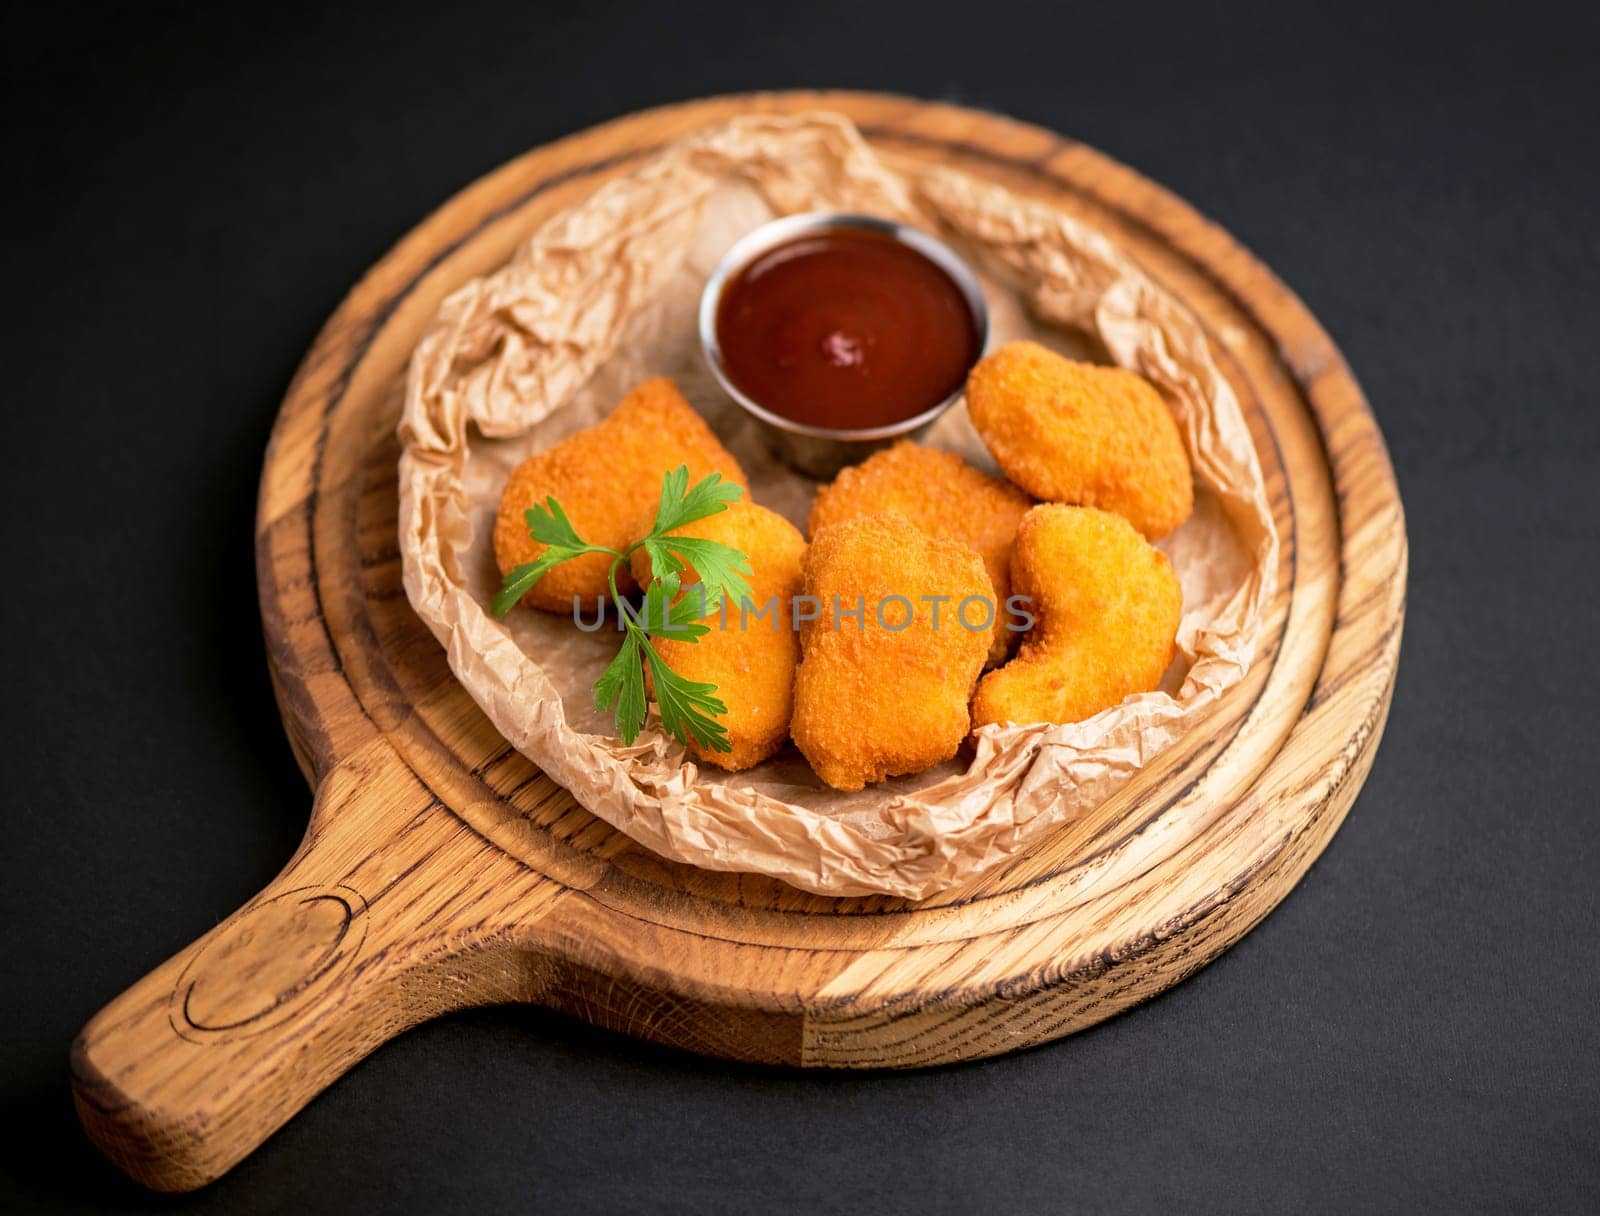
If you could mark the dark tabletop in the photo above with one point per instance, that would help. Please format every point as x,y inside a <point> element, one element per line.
<point>1417,1026</point>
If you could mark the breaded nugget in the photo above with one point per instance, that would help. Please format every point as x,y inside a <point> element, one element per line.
<point>751,651</point>
<point>1082,434</point>
<point>1106,606</point>
<point>608,480</point>
<point>944,496</point>
<point>886,693</point>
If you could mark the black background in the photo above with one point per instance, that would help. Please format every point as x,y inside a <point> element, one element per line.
<point>1415,1027</point>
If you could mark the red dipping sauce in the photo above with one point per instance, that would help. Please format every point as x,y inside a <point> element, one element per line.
<point>846,329</point>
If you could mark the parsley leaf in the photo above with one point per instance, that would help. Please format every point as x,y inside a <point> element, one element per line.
<point>682,505</point>
<point>521,579</point>
<point>723,570</point>
<point>621,685</point>
<point>548,524</point>
<point>689,709</point>
<point>666,614</point>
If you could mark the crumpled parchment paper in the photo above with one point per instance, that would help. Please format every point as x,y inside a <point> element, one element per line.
<point>603,296</point>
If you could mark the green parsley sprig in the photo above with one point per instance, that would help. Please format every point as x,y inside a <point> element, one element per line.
<point>689,709</point>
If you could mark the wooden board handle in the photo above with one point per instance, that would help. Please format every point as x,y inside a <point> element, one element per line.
<point>365,932</point>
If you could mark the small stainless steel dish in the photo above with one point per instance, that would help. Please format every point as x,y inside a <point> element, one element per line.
<point>821,451</point>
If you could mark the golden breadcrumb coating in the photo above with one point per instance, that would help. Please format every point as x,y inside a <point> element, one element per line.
<point>944,496</point>
<point>608,480</point>
<point>1106,606</point>
<point>751,659</point>
<point>876,701</point>
<point>1082,434</point>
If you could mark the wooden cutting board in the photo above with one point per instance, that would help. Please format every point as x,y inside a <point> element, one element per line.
<point>442,870</point>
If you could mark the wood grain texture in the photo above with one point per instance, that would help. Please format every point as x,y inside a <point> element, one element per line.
<point>442,870</point>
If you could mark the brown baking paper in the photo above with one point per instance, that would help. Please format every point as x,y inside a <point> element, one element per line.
<point>604,296</point>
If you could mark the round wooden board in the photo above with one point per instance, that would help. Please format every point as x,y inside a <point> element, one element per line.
<point>441,869</point>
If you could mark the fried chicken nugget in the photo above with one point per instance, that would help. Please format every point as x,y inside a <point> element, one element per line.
<point>1083,434</point>
<point>944,496</point>
<point>1106,606</point>
<point>888,697</point>
<point>608,480</point>
<point>751,651</point>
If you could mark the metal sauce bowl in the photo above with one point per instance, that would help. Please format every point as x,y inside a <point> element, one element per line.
<point>821,452</point>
